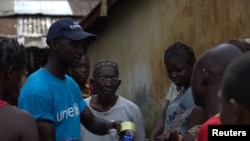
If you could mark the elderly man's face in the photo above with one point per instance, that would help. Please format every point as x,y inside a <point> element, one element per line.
<point>106,81</point>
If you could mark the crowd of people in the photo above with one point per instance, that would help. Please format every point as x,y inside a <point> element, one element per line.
<point>59,102</point>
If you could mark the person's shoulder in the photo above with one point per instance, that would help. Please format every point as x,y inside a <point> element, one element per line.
<point>88,99</point>
<point>188,90</point>
<point>17,122</point>
<point>23,116</point>
<point>203,133</point>
<point>70,79</point>
<point>214,120</point>
<point>124,99</point>
<point>37,83</point>
<point>188,96</point>
<point>184,93</point>
<point>127,102</point>
<point>20,112</point>
<point>38,72</point>
<point>37,76</point>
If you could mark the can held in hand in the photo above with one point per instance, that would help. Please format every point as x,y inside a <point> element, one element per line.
<point>127,131</point>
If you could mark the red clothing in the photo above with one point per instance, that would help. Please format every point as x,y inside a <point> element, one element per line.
<point>3,103</point>
<point>203,133</point>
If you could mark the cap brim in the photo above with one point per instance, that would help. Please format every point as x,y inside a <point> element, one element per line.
<point>80,35</point>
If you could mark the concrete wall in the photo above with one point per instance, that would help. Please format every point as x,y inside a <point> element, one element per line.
<point>137,33</point>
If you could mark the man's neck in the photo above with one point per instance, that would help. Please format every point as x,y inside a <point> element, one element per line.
<point>56,70</point>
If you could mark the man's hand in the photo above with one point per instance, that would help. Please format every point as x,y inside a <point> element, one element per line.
<point>174,136</point>
<point>171,135</point>
<point>112,124</point>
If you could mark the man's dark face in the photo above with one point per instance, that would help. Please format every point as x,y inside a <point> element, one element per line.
<point>106,81</point>
<point>69,52</point>
<point>81,72</point>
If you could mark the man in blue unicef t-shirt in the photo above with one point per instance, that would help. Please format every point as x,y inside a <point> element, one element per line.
<point>52,97</point>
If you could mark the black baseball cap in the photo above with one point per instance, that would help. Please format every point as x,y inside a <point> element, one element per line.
<point>68,28</point>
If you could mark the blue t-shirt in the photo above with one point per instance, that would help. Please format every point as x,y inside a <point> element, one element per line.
<point>48,97</point>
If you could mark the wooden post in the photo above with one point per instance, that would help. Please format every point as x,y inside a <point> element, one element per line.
<point>104,8</point>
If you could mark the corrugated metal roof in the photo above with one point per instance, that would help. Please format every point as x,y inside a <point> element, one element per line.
<point>47,7</point>
<point>59,7</point>
<point>7,7</point>
<point>34,26</point>
<point>31,31</point>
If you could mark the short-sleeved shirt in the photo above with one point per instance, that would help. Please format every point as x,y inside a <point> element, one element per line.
<point>50,98</point>
<point>123,110</point>
<point>203,133</point>
<point>180,108</point>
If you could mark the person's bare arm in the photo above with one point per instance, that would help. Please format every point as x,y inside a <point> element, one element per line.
<point>97,125</point>
<point>158,129</point>
<point>46,130</point>
<point>29,131</point>
<point>196,117</point>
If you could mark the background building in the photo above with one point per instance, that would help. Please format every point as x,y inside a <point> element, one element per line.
<point>28,21</point>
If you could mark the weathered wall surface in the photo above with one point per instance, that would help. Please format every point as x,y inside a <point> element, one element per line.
<point>138,32</point>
